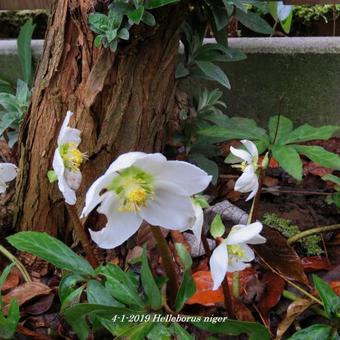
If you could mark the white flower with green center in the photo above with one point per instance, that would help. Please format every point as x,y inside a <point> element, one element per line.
<point>8,172</point>
<point>67,160</point>
<point>248,181</point>
<point>232,253</point>
<point>196,224</point>
<point>139,186</point>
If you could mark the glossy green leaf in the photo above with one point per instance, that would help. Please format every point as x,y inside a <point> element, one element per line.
<point>150,287</point>
<point>51,250</point>
<point>73,298</point>
<point>184,255</point>
<point>314,332</point>
<point>185,291</point>
<point>219,13</point>
<point>148,19</point>
<point>254,330</point>
<point>330,300</point>
<point>289,160</point>
<point>68,284</point>
<point>159,331</point>
<point>279,126</point>
<point>253,21</point>
<point>213,72</point>
<point>306,133</point>
<point>319,155</point>
<point>8,325</point>
<point>180,332</point>
<point>150,4</point>
<point>136,15</point>
<point>98,294</point>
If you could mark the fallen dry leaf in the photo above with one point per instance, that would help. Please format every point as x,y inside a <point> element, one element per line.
<point>274,286</point>
<point>314,263</point>
<point>241,311</point>
<point>270,181</point>
<point>316,169</point>
<point>26,292</point>
<point>42,305</point>
<point>11,282</point>
<point>296,308</point>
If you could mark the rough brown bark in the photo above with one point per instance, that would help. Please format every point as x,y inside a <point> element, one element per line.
<point>122,101</point>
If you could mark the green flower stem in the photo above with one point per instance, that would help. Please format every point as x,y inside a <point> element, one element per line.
<point>81,235</point>
<point>313,231</point>
<point>205,245</point>
<point>168,262</point>
<point>293,297</point>
<point>19,265</point>
<point>228,298</point>
<point>236,284</point>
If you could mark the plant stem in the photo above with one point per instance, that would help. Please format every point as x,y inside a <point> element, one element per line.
<point>168,262</point>
<point>19,265</point>
<point>312,231</point>
<point>81,235</point>
<point>293,297</point>
<point>236,284</point>
<point>205,244</point>
<point>228,298</point>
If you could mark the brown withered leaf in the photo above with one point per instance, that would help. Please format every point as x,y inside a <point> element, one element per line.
<point>31,334</point>
<point>296,308</point>
<point>11,282</point>
<point>314,263</point>
<point>241,311</point>
<point>277,254</point>
<point>274,286</point>
<point>42,305</point>
<point>26,292</point>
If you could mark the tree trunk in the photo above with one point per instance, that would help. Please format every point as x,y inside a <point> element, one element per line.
<point>121,102</point>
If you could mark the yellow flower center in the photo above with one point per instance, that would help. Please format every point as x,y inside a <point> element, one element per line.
<point>235,250</point>
<point>71,156</point>
<point>134,187</point>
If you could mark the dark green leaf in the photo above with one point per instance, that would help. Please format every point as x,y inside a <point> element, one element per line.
<point>150,287</point>
<point>314,332</point>
<point>180,332</point>
<point>73,298</point>
<point>6,86</point>
<point>68,284</point>
<point>100,295</point>
<point>136,15</point>
<point>98,22</point>
<point>150,4</point>
<point>206,164</point>
<point>159,332</point>
<point>213,72</point>
<point>219,13</point>
<point>184,255</point>
<point>25,50</point>
<point>306,133</point>
<point>330,300</point>
<point>253,21</point>
<point>279,126</point>
<point>124,34</point>
<point>186,290</point>
<point>254,330</point>
<point>181,71</point>
<point>319,155</point>
<point>289,160</point>
<point>148,19</point>
<point>51,250</point>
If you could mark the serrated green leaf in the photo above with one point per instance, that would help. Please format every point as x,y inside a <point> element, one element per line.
<point>51,250</point>
<point>150,287</point>
<point>306,133</point>
<point>254,330</point>
<point>289,160</point>
<point>319,155</point>
<point>217,228</point>
<point>314,332</point>
<point>254,22</point>
<point>279,126</point>
<point>213,72</point>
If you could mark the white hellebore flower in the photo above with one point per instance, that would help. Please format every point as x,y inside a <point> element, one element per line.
<point>248,181</point>
<point>139,186</point>
<point>196,224</point>
<point>232,252</point>
<point>67,160</point>
<point>8,172</point>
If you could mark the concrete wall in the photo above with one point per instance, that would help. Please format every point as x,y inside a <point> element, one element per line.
<point>305,70</point>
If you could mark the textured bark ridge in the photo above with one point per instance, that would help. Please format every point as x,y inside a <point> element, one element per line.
<point>122,102</point>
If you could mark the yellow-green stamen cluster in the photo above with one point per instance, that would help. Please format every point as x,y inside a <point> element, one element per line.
<point>71,156</point>
<point>134,187</point>
<point>235,250</point>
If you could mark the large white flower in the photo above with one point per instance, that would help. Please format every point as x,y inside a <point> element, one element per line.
<point>233,252</point>
<point>196,224</point>
<point>248,181</point>
<point>67,160</point>
<point>139,186</point>
<point>8,172</point>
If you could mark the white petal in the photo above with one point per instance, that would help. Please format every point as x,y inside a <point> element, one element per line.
<point>219,264</point>
<point>242,154</point>
<point>186,178</point>
<point>8,172</point>
<point>255,189</point>
<point>257,239</point>
<point>248,181</point>
<point>73,179</point>
<point>235,265</point>
<point>93,197</point>
<point>67,134</point>
<point>243,233</point>
<point>153,163</point>
<point>124,161</point>
<point>198,224</point>
<point>59,168</point>
<point>120,225</point>
<point>249,254</point>
<point>251,147</point>
<point>168,210</point>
